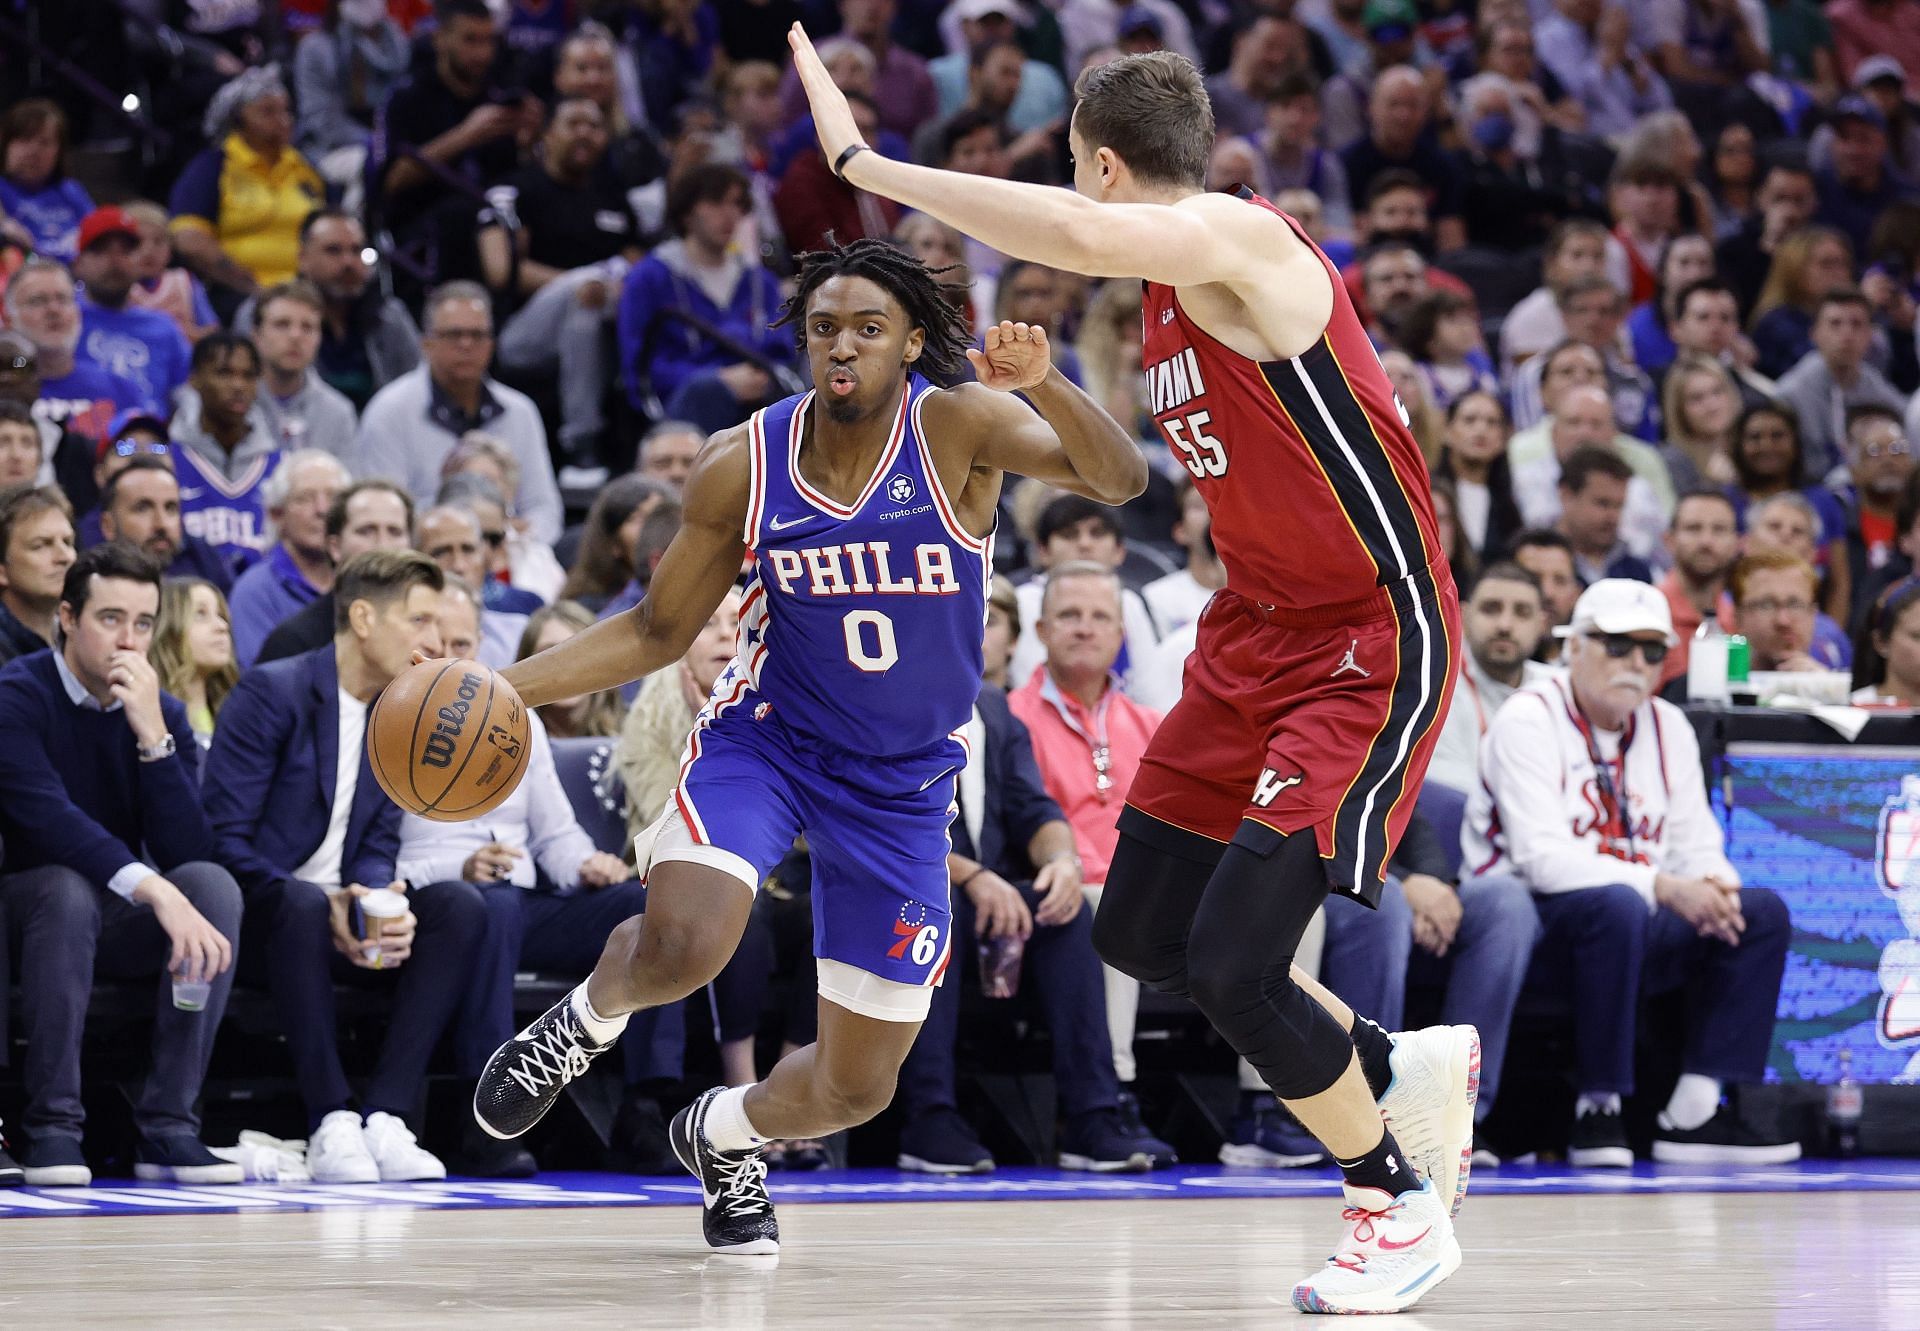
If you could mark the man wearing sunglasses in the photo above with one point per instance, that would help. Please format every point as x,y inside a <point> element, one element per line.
<point>1592,797</point>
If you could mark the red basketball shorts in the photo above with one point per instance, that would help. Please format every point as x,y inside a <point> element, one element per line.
<point>1323,718</point>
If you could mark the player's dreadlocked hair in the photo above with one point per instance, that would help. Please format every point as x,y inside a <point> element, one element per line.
<point>917,287</point>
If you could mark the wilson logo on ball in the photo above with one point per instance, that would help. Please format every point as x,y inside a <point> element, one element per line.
<point>452,719</point>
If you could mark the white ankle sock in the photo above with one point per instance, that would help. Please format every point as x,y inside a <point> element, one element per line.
<point>1605,1102</point>
<point>602,1029</point>
<point>726,1124</point>
<point>1696,1099</point>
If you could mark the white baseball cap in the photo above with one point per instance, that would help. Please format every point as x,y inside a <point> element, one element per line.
<point>1621,605</point>
<point>1876,67</point>
<point>975,10</point>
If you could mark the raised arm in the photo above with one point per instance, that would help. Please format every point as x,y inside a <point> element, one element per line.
<point>693,576</point>
<point>1203,239</point>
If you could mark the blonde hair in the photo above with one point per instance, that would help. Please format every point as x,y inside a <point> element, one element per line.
<point>1673,397</point>
<point>1426,421</point>
<point>604,711</point>
<point>1111,310</point>
<point>169,654</point>
<point>1787,279</point>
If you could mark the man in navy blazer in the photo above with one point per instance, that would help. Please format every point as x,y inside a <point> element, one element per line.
<point>307,832</point>
<point>1015,874</point>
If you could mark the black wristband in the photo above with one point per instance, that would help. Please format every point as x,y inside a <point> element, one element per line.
<point>846,155</point>
<point>962,886</point>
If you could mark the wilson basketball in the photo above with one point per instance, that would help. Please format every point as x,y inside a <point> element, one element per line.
<point>448,740</point>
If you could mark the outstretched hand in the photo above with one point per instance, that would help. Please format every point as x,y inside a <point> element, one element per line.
<point>1015,357</point>
<point>832,117</point>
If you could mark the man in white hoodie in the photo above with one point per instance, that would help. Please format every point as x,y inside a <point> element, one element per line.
<point>1591,795</point>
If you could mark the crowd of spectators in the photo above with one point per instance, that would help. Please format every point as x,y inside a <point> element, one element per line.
<point>405,325</point>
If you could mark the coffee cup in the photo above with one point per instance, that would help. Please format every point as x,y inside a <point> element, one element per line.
<point>376,909</point>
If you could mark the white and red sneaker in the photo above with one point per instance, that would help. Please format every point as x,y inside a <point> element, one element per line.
<point>1393,1251</point>
<point>1429,1105</point>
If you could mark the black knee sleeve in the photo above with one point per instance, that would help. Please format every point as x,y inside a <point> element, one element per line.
<point>1240,960</point>
<point>1146,911</point>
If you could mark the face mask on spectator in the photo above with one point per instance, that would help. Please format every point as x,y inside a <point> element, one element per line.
<point>1493,132</point>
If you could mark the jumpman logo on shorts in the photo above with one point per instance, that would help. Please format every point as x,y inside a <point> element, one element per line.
<point>1348,663</point>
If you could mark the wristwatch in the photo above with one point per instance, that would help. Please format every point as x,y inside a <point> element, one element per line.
<point>153,753</point>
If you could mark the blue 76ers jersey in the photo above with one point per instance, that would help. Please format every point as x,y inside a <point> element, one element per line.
<point>863,625</point>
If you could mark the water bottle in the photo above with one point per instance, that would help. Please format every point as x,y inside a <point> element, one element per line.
<point>1707,663</point>
<point>1844,1101</point>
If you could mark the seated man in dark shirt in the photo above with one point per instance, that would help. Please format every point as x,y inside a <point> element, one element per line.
<point>1399,134</point>
<point>110,868</point>
<point>449,115</point>
<point>1016,876</point>
<point>560,237</point>
<point>367,515</point>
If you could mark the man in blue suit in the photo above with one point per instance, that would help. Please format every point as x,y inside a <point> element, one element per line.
<point>1015,875</point>
<point>307,832</point>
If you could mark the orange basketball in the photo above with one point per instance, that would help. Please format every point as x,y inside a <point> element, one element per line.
<point>448,740</point>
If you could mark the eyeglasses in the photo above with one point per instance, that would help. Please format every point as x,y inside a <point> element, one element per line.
<point>1895,447</point>
<point>126,448</point>
<point>496,539</point>
<point>1766,605</point>
<point>1618,646</point>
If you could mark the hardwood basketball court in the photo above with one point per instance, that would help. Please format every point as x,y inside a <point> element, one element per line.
<point>1647,1260</point>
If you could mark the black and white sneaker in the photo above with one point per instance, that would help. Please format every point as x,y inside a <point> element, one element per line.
<point>739,1217</point>
<point>1721,1140</point>
<point>527,1073</point>
<point>1599,1141</point>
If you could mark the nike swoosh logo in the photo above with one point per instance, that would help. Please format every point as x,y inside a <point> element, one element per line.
<point>192,493</point>
<point>774,524</point>
<point>1388,1245</point>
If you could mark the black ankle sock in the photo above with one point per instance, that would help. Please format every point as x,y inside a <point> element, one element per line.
<point>1375,1047</point>
<point>1383,1167</point>
<point>1255,1100</point>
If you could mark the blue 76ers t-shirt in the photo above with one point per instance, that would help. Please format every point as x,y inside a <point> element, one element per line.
<point>86,400</point>
<point>141,345</point>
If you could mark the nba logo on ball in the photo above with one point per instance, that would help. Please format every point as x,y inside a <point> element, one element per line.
<point>900,489</point>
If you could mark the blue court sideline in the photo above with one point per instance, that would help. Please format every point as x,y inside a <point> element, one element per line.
<point>878,1185</point>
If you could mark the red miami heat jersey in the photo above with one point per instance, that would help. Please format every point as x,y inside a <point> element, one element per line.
<point>1317,488</point>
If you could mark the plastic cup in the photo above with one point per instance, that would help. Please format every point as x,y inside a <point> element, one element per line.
<point>1000,965</point>
<point>191,995</point>
<point>376,908</point>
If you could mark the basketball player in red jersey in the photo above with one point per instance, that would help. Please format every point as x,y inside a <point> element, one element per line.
<point>1313,698</point>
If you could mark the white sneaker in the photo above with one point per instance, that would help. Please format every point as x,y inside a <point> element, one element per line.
<point>338,1151</point>
<point>1393,1251</point>
<point>401,1158</point>
<point>1429,1106</point>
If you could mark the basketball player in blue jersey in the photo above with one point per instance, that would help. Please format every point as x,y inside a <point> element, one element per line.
<point>868,507</point>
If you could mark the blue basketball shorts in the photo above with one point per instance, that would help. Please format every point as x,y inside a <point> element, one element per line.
<point>876,829</point>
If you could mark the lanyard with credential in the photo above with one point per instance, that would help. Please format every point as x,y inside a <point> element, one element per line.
<point>1097,743</point>
<point>1613,798</point>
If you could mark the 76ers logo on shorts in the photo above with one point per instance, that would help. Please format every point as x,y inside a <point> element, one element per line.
<point>914,939</point>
